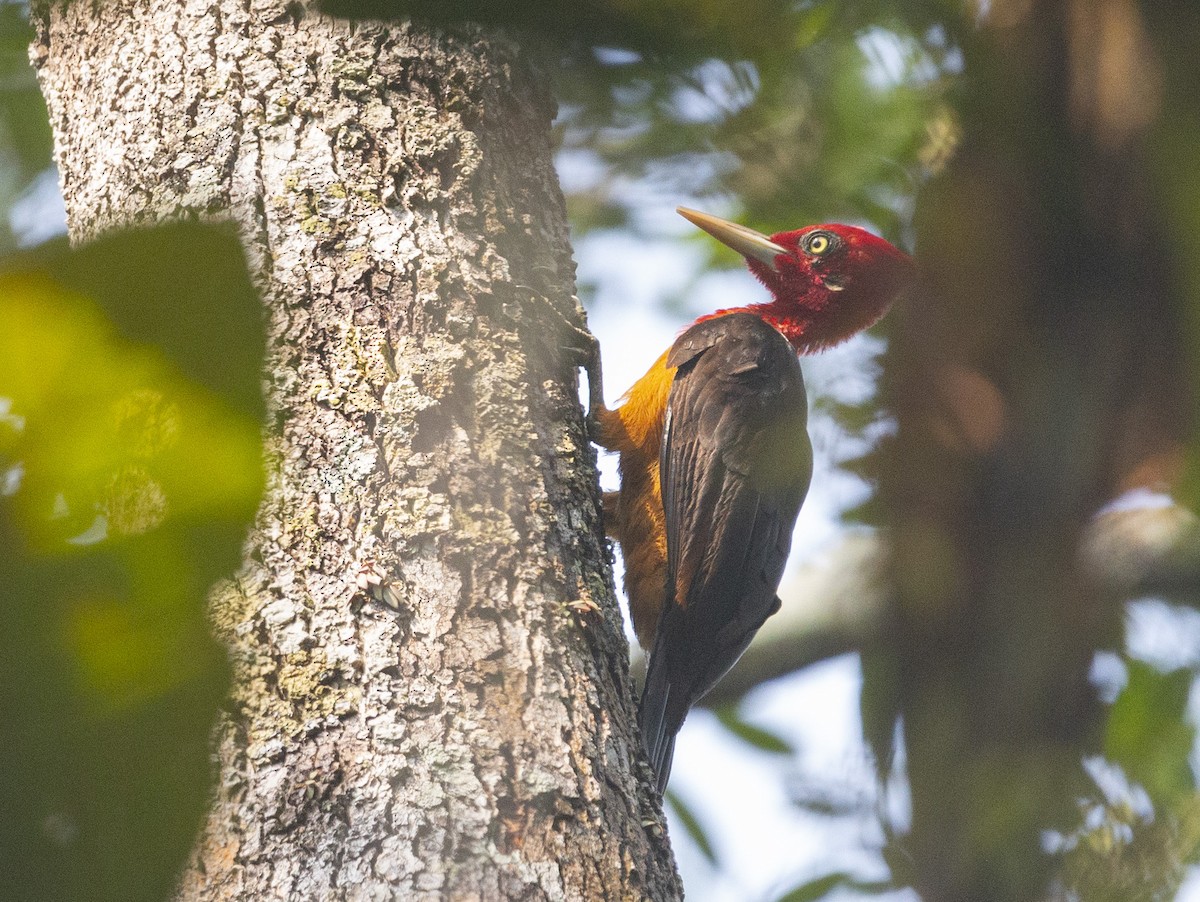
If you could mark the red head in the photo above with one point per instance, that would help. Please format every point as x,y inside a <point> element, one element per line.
<point>827,282</point>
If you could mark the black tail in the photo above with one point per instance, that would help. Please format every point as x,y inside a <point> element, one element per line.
<point>660,717</point>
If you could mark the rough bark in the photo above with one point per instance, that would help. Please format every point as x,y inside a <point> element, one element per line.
<point>470,735</point>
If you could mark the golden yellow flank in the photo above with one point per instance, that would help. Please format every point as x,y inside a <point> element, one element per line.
<point>633,515</point>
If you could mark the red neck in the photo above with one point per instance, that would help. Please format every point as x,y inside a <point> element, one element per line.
<point>790,322</point>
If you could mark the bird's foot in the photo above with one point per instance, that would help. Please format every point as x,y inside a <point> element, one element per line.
<point>583,350</point>
<point>580,348</point>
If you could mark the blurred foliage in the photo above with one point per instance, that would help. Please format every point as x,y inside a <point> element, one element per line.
<point>819,888</point>
<point>25,140</point>
<point>692,826</point>
<point>1127,857</point>
<point>825,131</point>
<point>1148,732</point>
<point>669,30</point>
<point>130,469</point>
<point>754,736</point>
<point>805,112</point>
<point>1140,824</point>
<point>1174,160</point>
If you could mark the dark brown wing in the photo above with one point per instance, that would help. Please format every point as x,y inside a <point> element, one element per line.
<point>734,468</point>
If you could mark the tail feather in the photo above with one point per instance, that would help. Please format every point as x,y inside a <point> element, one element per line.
<point>662,767</point>
<point>659,721</point>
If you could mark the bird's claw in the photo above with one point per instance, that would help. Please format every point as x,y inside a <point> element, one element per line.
<point>577,355</point>
<point>580,349</point>
<point>584,352</point>
<point>591,425</point>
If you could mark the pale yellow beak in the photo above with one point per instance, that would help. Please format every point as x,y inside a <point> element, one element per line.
<point>745,241</point>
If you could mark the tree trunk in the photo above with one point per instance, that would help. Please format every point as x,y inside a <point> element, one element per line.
<point>431,695</point>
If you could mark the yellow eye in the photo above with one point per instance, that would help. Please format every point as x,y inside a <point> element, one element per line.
<point>818,244</point>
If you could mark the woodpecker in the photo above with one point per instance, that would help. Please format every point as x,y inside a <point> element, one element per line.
<point>715,459</point>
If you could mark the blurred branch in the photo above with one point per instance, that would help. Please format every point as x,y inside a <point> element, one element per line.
<point>1146,551</point>
<point>836,603</point>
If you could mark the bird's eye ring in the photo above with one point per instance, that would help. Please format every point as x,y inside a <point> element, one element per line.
<point>819,243</point>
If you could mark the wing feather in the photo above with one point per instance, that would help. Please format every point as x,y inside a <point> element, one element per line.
<point>734,468</point>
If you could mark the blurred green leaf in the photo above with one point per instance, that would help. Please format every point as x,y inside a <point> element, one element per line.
<point>803,112</point>
<point>763,740</point>
<point>1124,854</point>
<point>23,117</point>
<point>692,825</point>
<point>25,140</point>
<point>182,288</point>
<point>664,29</point>
<point>1174,157</point>
<point>1149,734</point>
<point>824,797</point>
<point>877,706</point>
<point>133,469</point>
<point>823,886</point>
